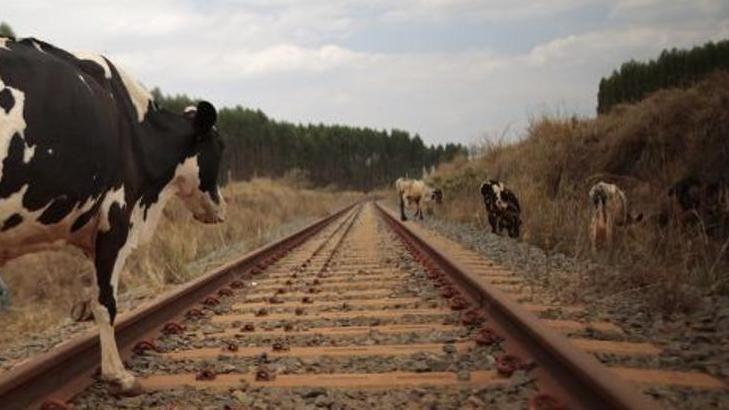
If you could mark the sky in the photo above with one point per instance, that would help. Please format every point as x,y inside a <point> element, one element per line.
<point>449,70</point>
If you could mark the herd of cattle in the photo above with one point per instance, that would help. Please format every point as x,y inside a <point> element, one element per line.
<point>689,201</point>
<point>502,206</point>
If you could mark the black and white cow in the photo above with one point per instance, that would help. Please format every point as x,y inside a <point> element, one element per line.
<point>502,208</point>
<point>88,159</point>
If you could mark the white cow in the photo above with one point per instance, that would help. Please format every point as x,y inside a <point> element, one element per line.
<point>609,210</point>
<point>415,191</point>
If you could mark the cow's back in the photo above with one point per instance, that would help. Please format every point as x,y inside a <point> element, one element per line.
<point>403,185</point>
<point>417,189</point>
<point>59,148</point>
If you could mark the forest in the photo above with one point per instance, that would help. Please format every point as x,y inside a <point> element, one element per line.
<point>334,156</point>
<point>675,68</point>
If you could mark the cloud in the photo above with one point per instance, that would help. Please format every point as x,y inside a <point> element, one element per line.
<point>291,58</point>
<point>294,60</point>
<point>476,10</point>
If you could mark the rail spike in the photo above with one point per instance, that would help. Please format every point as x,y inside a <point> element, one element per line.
<point>225,292</point>
<point>53,404</point>
<point>143,346</point>
<point>194,313</point>
<point>211,301</point>
<point>472,317</point>
<point>545,401</point>
<point>173,328</point>
<point>487,337</point>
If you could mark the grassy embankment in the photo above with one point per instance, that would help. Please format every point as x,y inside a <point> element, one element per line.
<point>644,148</point>
<point>44,285</point>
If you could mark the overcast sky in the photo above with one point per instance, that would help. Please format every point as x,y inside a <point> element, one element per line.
<point>450,70</point>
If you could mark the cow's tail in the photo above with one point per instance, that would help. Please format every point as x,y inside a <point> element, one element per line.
<point>598,225</point>
<point>625,218</point>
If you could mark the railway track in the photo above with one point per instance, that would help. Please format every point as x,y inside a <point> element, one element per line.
<point>356,311</point>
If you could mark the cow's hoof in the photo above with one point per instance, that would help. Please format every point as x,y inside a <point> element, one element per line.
<point>130,389</point>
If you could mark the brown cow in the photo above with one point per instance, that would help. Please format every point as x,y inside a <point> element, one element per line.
<point>609,210</point>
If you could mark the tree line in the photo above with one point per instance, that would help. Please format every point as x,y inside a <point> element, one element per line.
<point>325,155</point>
<point>673,68</point>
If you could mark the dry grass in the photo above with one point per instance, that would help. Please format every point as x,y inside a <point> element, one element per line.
<point>644,148</point>
<point>44,285</point>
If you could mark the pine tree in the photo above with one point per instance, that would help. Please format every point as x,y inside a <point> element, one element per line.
<point>673,68</point>
<point>6,30</point>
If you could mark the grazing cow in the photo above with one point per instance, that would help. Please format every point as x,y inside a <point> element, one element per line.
<point>502,208</point>
<point>694,200</point>
<point>685,198</point>
<point>414,191</point>
<point>88,159</point>
<point>609,210</point>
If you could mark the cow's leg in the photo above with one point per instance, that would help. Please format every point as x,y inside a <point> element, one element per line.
<point>592,233</point>
<point>511,227</point>
<point>112,367</point>
<point>492,222</point>
<point>111,252</point>
<point>609,232</point>
<point>402,208</point>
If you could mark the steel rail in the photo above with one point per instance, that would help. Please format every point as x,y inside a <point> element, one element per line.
<point>564,370</point>
<point>69,368</point>
<point>339,242</point>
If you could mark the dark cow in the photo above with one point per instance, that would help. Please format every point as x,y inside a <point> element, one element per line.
<point>686,195</point>
<point>693,200</point>
<point>502,208</point>
<point>88,159</point>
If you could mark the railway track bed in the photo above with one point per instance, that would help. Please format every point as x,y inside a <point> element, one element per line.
<point>360,312</point>
<point>682,369</point>
<point>366,323</point>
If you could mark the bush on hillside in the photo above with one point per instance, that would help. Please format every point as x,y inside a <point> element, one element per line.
<point>644,148</point>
